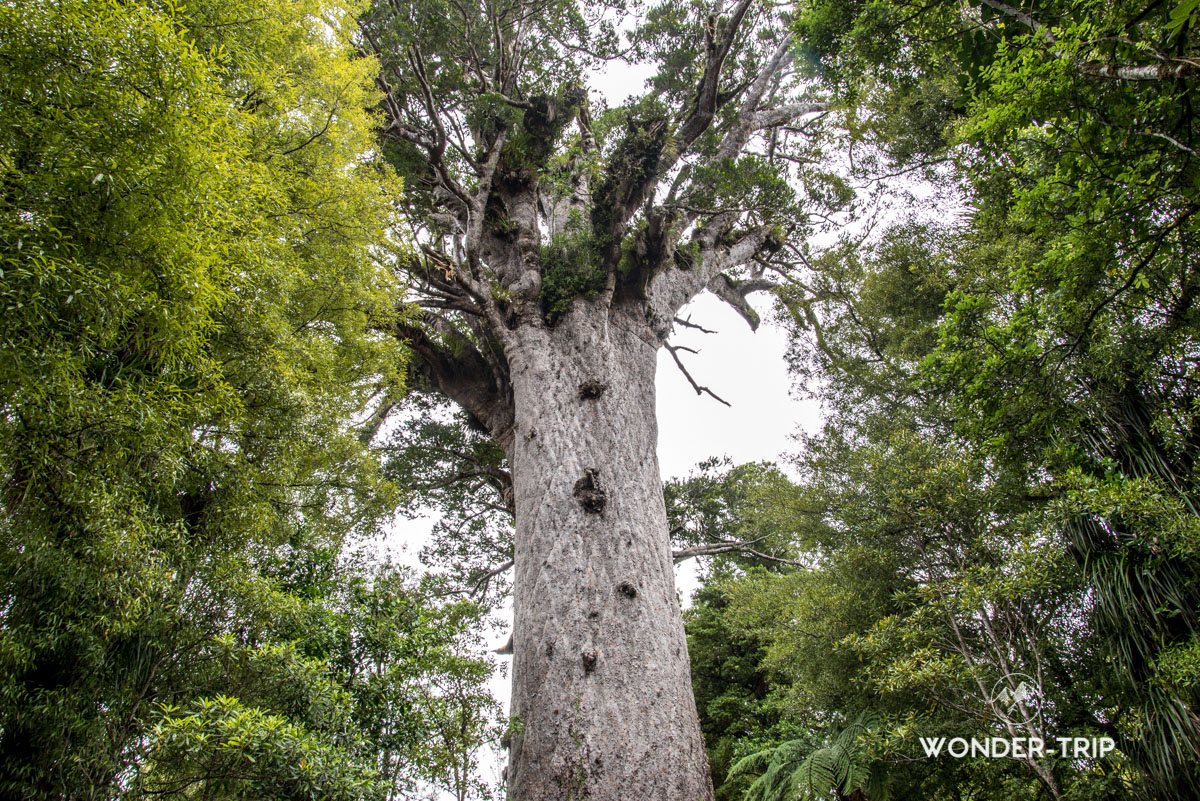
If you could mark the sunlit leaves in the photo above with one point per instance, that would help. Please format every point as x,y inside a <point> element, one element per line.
<point>194,266</point>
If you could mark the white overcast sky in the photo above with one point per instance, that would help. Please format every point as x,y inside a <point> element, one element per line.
<point>746,369</point>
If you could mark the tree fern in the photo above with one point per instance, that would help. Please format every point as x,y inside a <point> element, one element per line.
<point>804,769</point>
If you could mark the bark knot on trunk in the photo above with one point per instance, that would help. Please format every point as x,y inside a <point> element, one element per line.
<point>589,493</point>
<point>590,390</point>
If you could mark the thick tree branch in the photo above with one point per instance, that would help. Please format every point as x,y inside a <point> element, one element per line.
<point>462,373</point>
<point>744,249</point>
<point>734,293</point>
<point>704,107</point>
<point>672,289</point>
<point>1019,15</point>
<point>375,422</point>
<point>646,155</point>
<point>1167,69</point>
<point>736,138</point>
<point>785,115</point>
<point>1163,71</point>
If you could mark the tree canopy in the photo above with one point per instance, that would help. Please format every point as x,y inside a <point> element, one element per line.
<point>196,249</point>
<point>1005,483</point>
<point>517,215</point>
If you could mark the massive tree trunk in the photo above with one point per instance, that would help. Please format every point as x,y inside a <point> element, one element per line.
<point>601,686</point>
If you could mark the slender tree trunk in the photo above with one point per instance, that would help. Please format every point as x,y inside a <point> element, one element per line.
<point>601,683</point>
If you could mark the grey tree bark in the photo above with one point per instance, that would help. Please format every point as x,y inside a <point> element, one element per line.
<point>601,683</point>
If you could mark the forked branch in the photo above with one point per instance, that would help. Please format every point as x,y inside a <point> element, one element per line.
<point>700,390</point>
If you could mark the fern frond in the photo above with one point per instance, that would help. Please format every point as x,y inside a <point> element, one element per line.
<point>753,765</point>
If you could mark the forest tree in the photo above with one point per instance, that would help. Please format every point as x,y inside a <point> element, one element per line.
<point>557,241</point>
<point>1006,478</point>
<point>193,263</point>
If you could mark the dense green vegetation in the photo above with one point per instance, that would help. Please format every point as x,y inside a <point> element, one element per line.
<point>197,278</point>
<point>195,249</point>
<point>1006,482</point>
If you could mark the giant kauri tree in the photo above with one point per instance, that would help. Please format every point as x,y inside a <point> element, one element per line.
<point>557,240</point>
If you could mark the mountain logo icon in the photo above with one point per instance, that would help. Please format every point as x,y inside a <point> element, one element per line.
<point>1016,700</point>
<point>1018,695</point>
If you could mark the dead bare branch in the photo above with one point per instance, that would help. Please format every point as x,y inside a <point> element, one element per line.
<point>689,324</point>
<point>699,389</point>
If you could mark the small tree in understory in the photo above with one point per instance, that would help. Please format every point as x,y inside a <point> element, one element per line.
<point>558,240</point>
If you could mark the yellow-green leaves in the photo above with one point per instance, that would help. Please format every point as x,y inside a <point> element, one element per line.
<point>194,245</point>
